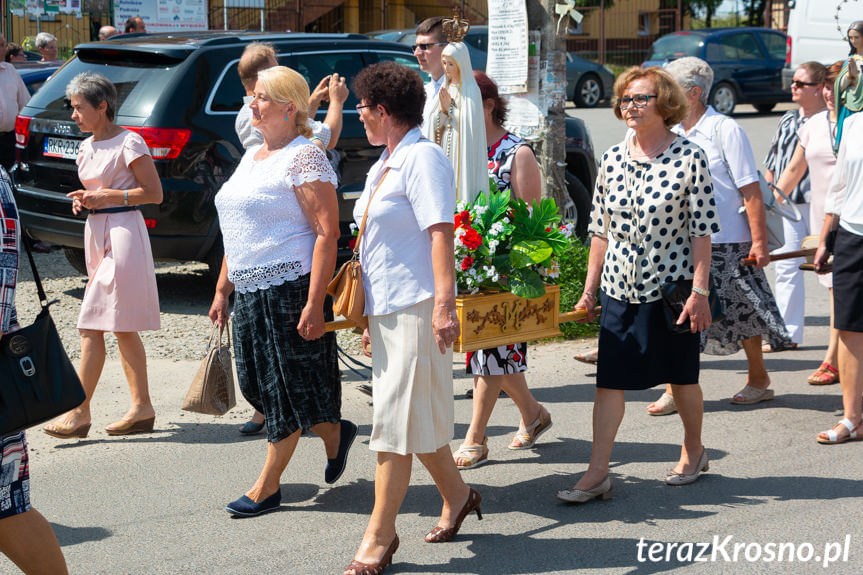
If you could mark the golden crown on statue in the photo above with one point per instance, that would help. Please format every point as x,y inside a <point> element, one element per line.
<point>455,28</point>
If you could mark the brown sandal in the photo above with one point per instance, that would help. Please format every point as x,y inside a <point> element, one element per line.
<point>375,568</point>
<point>441,534</point>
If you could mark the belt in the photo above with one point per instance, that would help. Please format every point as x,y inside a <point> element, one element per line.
<point>116,210</point>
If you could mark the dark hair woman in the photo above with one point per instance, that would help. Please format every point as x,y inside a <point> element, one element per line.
<point>408,266</point>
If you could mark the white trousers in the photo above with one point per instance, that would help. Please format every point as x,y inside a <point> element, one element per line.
<point>789,291</point>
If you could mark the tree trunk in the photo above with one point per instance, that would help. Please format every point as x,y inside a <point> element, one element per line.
<point>551,150</point>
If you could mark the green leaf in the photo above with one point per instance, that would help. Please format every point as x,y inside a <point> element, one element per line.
<point>529,252</point>
<point>526,283</point>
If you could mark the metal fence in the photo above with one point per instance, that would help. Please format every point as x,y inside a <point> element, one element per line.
<point>621,37</point>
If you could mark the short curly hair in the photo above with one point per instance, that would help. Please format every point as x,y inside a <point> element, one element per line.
<point>397,88</point>
<point>671,101</point>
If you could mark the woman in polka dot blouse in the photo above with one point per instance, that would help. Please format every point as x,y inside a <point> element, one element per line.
<point>652,216</point>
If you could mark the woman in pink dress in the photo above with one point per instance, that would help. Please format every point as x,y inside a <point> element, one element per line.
<point>118,175</point>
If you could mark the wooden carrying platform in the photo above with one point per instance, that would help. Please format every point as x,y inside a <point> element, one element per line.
<point>501,318</point>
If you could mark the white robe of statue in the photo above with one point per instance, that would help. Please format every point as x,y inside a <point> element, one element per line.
<point>460,131</point>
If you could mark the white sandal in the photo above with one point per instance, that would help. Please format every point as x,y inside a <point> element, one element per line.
<point>474,455</point>
<point>525,438</point>
<point>831,437</point>
<point>666,405</point>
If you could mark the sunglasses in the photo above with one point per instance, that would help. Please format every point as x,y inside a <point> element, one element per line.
<point>798,84</point>
<point>426,47</point>
<point>640,101</point>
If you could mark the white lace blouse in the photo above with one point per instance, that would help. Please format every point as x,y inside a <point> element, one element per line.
<point>267,238</point>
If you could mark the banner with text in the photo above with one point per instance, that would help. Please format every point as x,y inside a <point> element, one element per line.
<point>163,15</point>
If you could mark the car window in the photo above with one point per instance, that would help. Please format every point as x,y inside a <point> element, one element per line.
<point>713,51</point>
<point>404,60</point>
<point>740,47</point>
<point>478,41</point>
<point>676,46</point>
<point>139,87</point>
<point>314,66</point>
<point>776,45</point>
<point>228,96</point>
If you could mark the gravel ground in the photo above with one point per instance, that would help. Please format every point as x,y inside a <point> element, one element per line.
<point>184,296</point>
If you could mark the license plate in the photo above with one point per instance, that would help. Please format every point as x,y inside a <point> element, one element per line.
<point>61,148</point>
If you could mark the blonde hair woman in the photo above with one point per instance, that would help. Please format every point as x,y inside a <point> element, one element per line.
<point>279,218</point>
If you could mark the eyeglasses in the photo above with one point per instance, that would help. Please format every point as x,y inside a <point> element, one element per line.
<point>640,101</point>
<point>361,106</point>
<point>426,47</point>
<point>798,84</point>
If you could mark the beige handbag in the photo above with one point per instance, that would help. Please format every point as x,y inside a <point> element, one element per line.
<point>349,298</point>
<point>212,390</point>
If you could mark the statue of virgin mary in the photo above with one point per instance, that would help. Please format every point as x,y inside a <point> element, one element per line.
<point>457,123</point>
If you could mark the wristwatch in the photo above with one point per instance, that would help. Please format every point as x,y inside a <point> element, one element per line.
<point>701,291</point>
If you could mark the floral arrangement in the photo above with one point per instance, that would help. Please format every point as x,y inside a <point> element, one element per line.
<point>501,243</point>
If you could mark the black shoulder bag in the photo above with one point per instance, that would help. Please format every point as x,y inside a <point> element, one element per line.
<point>37,380</point>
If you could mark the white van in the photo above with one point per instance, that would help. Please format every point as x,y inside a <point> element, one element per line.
<point>812,33</point>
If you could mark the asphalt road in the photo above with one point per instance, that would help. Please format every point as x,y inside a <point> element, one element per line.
<point>154,504</point>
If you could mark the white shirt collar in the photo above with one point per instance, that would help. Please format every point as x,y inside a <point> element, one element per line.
<point>399,155</point>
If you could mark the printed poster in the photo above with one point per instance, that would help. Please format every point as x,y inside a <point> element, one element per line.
<point>508,45</point>
<point>163,15</point>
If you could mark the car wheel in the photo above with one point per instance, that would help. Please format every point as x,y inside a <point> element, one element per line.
<point>75,257</point>
<point>588,91</point>
<point>577,209</point>
<point>765,108</point>
<point>723,98</point>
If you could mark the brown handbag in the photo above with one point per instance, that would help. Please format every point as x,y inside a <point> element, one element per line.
<point>212,390</point>
<point>349,298</point>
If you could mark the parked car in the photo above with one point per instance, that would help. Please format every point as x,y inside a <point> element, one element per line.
<point>747,63</point>
<point>812,34</point>
<point>181,93</point>
<point>34,74</point>
<point>587,83</point>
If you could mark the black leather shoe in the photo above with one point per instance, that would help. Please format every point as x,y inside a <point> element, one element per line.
<point>336,466</point>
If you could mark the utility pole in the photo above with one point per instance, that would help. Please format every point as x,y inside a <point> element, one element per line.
<point>552,83</point>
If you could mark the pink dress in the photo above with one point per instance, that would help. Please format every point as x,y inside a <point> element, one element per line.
<point>816,139</point>
<point>121,293</point>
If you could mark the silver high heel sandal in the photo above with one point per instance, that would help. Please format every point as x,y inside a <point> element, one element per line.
<point>601,490</point>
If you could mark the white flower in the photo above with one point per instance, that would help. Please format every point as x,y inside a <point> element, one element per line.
<point>497,227</point>
<point>461,206</point>
<point>354,227</point>
<point>492,245</point>
<point>480,210</point>
<point>505,220</point>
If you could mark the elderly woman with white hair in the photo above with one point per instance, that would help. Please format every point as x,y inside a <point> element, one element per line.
<point>279,218</point>
<point>46,43</point>
<point>750,309</point>
<point>118,175</point>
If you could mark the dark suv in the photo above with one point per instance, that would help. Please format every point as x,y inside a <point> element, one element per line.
<point>181,92</point>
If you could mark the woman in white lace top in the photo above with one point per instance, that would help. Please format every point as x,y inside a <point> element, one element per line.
<point>279,218</point>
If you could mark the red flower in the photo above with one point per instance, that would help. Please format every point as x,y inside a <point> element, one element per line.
<point>462,219</point>
<point>352,242</point>
<point>471,239</point>
<point>548,229</point>
<point>466,263</point>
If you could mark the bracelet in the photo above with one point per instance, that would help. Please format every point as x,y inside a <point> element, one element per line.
<point>588,294</point>
<point>126,198</point>
<point>700,291</point>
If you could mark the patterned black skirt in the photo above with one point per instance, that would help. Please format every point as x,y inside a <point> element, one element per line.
<point>749,305</point>
<point>295,383</point>
<point>501,360</point>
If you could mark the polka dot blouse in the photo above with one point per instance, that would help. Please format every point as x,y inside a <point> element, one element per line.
<point>648,210</point>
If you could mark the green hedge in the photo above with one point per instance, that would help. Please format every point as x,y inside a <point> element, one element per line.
<point>573,270</point>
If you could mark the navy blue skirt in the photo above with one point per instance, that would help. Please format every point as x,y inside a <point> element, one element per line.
<point>638,351</point>
<point>848,281</point>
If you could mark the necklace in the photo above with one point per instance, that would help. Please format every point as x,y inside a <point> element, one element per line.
<point>653,151</point>
<point>272,150</point>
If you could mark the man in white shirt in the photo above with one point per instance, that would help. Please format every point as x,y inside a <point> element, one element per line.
<point>259,56</point>
<point>13,97</point>
<point>430,42</point>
